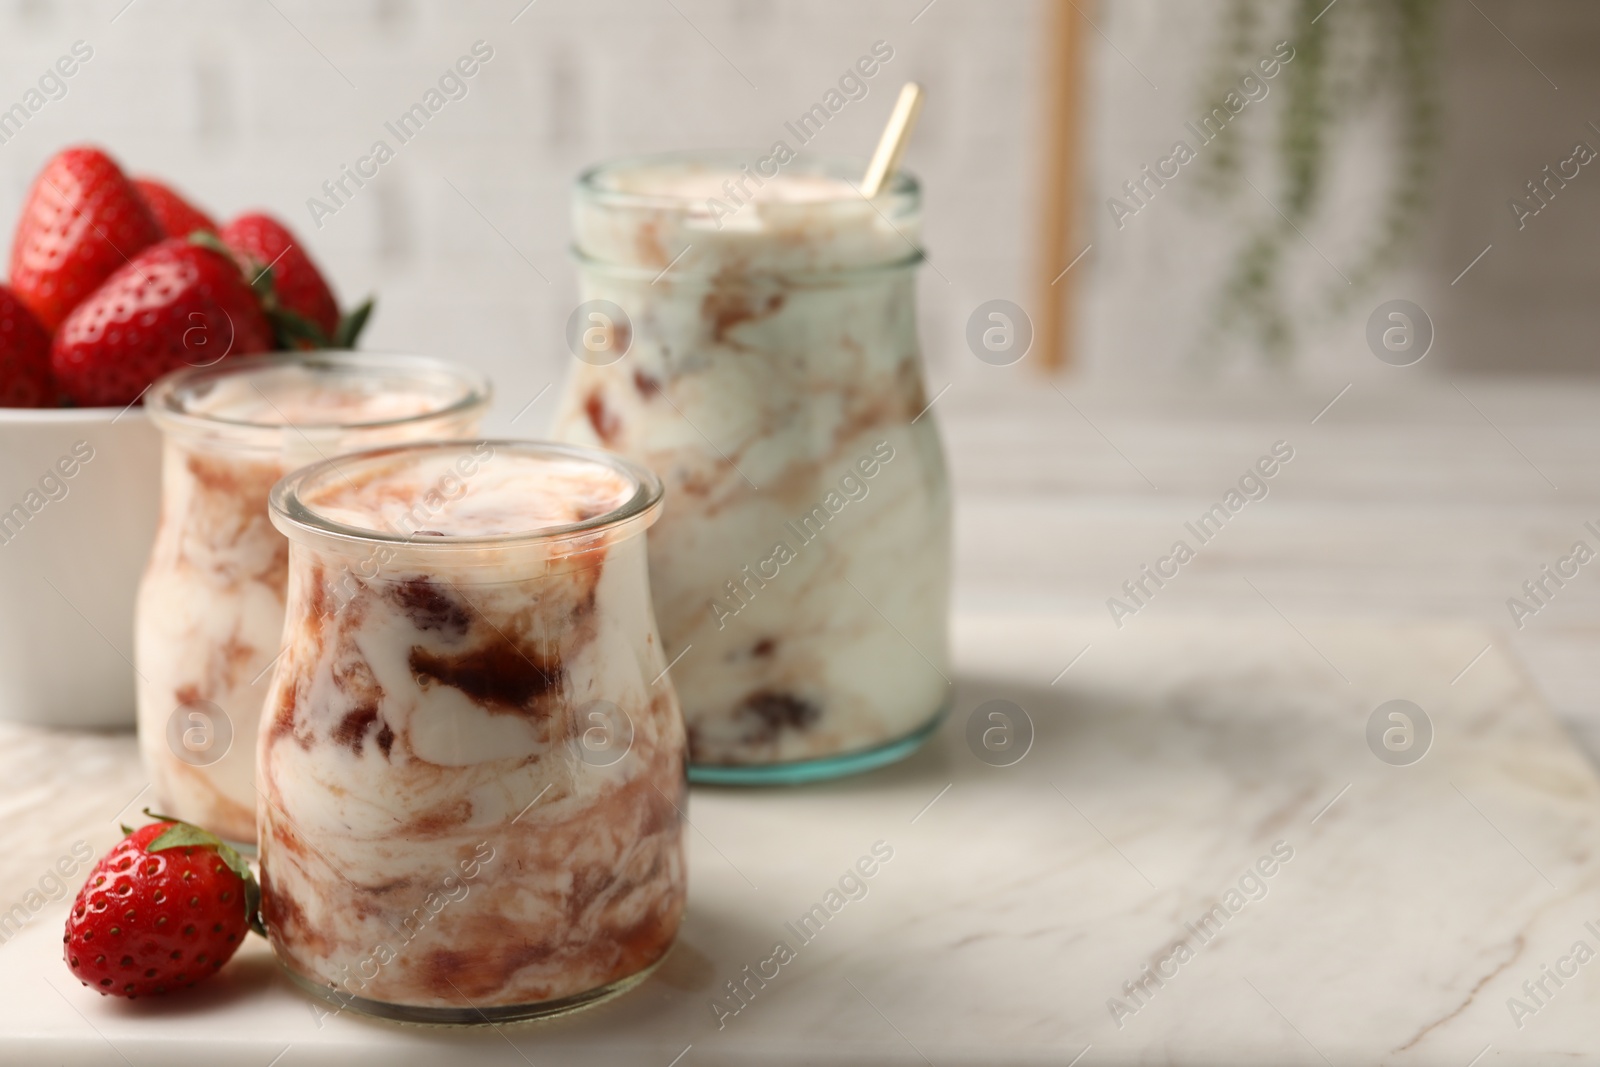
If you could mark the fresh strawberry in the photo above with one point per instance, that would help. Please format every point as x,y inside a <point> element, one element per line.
<point>82,220</point>
<point>263,242</point>
<point>25,380</point>
<point>179,303</point>
<point>166,907</point>
<point>175,215</point>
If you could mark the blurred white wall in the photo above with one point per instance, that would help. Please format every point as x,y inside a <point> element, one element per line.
<point>1530,303</point>
<point>257,103</point>
<point>1518,85</point>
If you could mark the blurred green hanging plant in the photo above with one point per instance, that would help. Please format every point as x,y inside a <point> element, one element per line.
<point>1348,58</point>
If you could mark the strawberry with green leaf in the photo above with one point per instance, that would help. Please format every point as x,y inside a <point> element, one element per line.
<point>179,303</point>
<point>298,300</point>
<point>165,908</point>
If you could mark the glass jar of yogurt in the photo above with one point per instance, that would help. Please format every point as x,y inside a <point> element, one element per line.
<point>748,332</point>
<point>472,762</point>
<point>209,614</point>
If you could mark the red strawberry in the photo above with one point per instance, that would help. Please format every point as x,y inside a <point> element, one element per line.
<point>24,357</point>
<point>166,907</point>
<point>180,303</point>
<point>82,220</point>
<point>262,241</point>
<point>175,215</point>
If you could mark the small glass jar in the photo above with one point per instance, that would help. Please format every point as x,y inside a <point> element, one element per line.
<point>748,332</point>
<point>209,614</point>
<point>472,761</point>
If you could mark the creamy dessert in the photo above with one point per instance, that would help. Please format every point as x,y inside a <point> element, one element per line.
<point>472,762</point>
<point>209,616</point>
<point>769,373</point>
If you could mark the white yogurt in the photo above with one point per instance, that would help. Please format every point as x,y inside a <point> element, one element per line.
<point>489,700</point>
<point>209,616</point>
<point>772,352</point>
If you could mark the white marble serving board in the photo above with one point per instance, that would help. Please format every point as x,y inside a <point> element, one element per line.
<point>1019,899</point>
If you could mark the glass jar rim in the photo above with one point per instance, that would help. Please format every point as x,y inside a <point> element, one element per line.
<point>165,401</point>
<point>902,185</point>
<point>293,516</point>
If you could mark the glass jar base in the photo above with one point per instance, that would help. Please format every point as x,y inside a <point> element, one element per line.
<point>469,1016</point>
<point>800,772</point>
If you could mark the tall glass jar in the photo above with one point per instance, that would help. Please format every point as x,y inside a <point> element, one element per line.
<point>748,331</point>
<point>472,760</point>
<point>209,613</point>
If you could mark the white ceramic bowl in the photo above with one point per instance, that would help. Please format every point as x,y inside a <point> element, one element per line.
<point>79,496</point>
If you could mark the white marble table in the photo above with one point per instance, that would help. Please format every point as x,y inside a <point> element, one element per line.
<point>1411,498</point>
<point>1226,717</point>
<point>1410,901</point>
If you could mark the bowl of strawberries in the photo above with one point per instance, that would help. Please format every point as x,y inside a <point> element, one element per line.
<point>114,282</point>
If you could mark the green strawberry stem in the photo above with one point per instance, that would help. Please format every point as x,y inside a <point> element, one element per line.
<point>351,325</point>
<point>207,239</point>
<point>291,329</point>
<point>180,834</point>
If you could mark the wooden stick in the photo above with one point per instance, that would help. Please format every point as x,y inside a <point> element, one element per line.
<point>892,145</point>
<point>1061,149</point>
